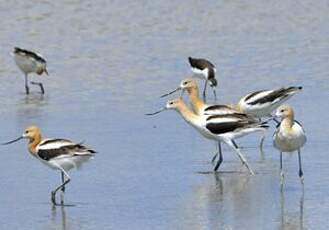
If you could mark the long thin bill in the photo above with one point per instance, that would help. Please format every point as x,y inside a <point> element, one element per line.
<point>10,142</point>
<point>151,114</point>
<point>167,94</point>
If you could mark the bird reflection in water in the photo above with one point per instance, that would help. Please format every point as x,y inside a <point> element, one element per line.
<point>289,219</point>
<point>62,224</point>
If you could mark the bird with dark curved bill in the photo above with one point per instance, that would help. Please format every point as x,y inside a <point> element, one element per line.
<point>58,154</point>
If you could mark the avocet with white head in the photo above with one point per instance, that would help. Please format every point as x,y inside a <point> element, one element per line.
<point>289,137</point>
<point>30,62</point>
<point>204,69</point>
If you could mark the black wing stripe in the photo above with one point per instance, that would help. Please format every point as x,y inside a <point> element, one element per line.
<point>215,107</point>
<point>253,94</point>
<point>223,127</point>
<point>281,93</point>
<point>200,63</point>
<point>234,115</point>
<point>29,53</point>
<point>48,154</point>
<point>54,141</point>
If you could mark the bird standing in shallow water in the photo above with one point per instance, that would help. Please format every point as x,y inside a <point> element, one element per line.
<point>30,62</point>
<point>204,69</point>
<point>221,128</point>
<point>289,137</point>
<point>199,107</point>
<point>58,154</point>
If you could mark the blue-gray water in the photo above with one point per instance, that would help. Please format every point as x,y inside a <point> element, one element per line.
<point>109,61</point>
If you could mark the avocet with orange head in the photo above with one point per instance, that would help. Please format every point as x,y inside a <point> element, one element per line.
<point>58,154</point>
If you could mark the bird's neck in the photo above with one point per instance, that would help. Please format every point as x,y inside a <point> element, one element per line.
<point>196,101</point>
<point>33,143</point>
<point>188,115</point>
<point>288,122</point>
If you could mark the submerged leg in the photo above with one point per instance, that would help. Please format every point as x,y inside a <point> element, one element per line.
<point>40,85</point>
<point>220,157</point>
<point>53,193</point>
<point>242,158</point>
<point>281,170</point>
<point>27,90</point>
<point>204,90</point>
<point>301,174</point>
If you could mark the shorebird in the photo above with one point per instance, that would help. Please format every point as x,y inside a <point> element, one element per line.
<point>58,154</point>
<point>204,69</point>
<point>221,128</point>
<point>289,137</point>
<point>30,62</point>
<point>259,104</point>
<point>263,103</point>
<point>201,108</point>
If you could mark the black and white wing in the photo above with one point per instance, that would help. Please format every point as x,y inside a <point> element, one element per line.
<point>205,68</point>
<point>271,97</point>
<point>60,148</point>
<point>220,124</point>
<point>219,110</point>
<point>29,54</point>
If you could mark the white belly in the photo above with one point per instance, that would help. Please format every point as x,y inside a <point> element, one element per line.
<point>66,163</point>
<point>290,141</point>
<point>27,65</point>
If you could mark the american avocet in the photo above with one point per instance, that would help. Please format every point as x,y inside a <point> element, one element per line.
<point>225,127</point>
<point>58,154</point>
<point>262,103</point>
<point>201,108</point>
<point>289,136</point>
<point>30,62</point>
<point>204,69</point>
<point>258,104</point>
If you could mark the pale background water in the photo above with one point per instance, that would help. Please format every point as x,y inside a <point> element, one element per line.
<point>109,61</point>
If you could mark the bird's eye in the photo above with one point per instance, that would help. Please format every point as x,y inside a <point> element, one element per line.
<point>26,132</point>
<point>185,83</point>
<point>282,110</point>
<point>171,103</point>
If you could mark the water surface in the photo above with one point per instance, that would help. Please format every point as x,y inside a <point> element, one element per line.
<point>108,63</point>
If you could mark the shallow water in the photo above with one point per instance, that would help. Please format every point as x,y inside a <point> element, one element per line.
<point>108,63</point>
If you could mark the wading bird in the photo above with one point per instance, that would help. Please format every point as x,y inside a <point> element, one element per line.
<point>289,137</point>
<point>259,104</point>
<point>58,154</point>
<point>204,69</point>
<point>263,103</point>
<point>30,62</point>
<point>221,128</point>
